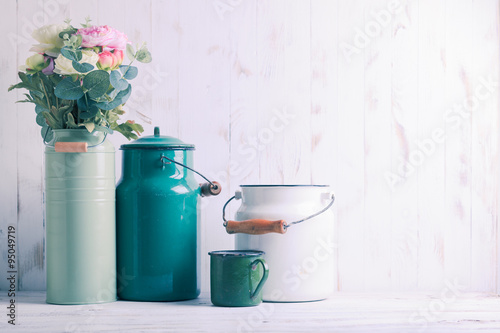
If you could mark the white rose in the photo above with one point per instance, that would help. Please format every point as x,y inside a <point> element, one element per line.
<point>48,37</point>
<point>36,63</point>
<point>64,66</point>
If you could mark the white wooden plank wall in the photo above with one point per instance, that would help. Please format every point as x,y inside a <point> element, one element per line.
<point>393,103</point>
<point>429,196</point>
<point>406,245</point>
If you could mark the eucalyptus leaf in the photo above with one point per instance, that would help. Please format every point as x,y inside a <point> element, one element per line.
<point>75,55</point>
<point>117,82</point>
<point>129,72</point>
<point>69,31</point>
<point>85,115</point>
<point>143,55</point>
<point>76,40</point>
<point>40,119</point>
<point>96,83</point>
<point>39,109</point>
<point>120,99</point>
<point>90,113</point>
<point>109,105</point>
<point>93,110</point>
<point>82,67</point>
<point>130,52</point>
<point>68,89</point>
<point>82,104</point>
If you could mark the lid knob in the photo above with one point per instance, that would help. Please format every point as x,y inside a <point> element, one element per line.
<point>157,131</point>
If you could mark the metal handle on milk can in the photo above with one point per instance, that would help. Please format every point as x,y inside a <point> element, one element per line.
<point>207,189</point>
<point>71,147</point>
<point>262,226</point>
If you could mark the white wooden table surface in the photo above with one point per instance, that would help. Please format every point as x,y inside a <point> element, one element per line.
<point>344,312</point>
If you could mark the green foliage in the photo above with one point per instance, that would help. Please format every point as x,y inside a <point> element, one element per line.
<point>71,121</point>
<point>90,113</point>
<point>82,67</point>
<point>96,84</point>
<point>142,54</point>
<point>71,53</point>
<point>87,21</point>
<point>129,72</point>
<point>130,52</point>
<point>118,81</point>
<point>69,89</point>
<point>118,100</point>
<point>66,33</point>
<point>72,42</point>
<point>128,129</point>
<point>90,98</point>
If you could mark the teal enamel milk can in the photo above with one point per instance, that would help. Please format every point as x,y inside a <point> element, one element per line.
<point>157,202</point>
<point>80,218</point>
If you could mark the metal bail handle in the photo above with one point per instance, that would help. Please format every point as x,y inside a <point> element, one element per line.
<point>71,147</point>
<point>207,189</point>
<point>261,226</point>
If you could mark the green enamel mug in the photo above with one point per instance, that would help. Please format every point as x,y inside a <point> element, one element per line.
<point>237,277</point>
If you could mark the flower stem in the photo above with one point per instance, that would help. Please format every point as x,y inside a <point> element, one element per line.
<point>46,96</point>
<point>127,68</point>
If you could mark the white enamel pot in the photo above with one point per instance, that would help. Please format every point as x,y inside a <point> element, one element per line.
<point>294,226</point>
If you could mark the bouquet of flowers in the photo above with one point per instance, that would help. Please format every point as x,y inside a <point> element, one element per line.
<point>76,78</point>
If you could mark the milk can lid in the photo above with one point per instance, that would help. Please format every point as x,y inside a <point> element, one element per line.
<point>158,141</point>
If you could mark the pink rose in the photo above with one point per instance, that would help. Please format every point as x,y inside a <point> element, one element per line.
<point>110,60</point>
<point>104,36</point>
<point>106,60</point>
<point>119,55</point>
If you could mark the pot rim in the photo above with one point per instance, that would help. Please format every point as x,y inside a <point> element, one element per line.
<point>237,253</point>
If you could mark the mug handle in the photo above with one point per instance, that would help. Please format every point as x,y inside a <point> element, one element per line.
<point>264,276</point>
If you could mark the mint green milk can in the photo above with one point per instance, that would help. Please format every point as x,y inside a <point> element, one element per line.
<point>157,203</point>
<point>80,218</point>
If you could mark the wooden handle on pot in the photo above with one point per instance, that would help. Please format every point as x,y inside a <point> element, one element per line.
<point>256,227</point>
<point>71,147</point>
